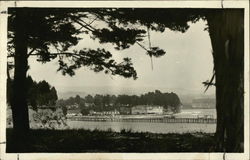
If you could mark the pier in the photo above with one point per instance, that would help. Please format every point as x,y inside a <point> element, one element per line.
<point>149,120</point>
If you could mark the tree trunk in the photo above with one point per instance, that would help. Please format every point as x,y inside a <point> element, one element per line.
<point>226,29</point>
<point>19,101</point>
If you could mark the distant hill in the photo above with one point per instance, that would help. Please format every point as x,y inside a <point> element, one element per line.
<point>187,100</point>
<point>204,103</point>
<point>66,95</point>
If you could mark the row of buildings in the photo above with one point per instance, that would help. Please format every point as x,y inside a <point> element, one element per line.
<point>147,109</point>
<point>135,110</point>
<point>201,103</point>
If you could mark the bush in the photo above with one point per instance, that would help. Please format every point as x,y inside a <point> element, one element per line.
<point>49,119</point>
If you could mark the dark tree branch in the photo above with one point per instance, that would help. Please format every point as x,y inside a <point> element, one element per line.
<point>101,17</point>
<point>10,56</point>
<point>209,83</point>
<point>142,46</point>
<point>85,25</point>
<point>63,53</point>
<point>31,52</point>
<point>93,20</point>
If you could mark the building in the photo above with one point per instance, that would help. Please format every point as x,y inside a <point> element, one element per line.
<point>94,113</point>
<point>73,112</point>
<point>154,109</point>
<point>125,110</point>
<point>203,103</point>
<point>147,109</point>
<point>113,112</point>
<point>104,113</point>
<point>139,109</point>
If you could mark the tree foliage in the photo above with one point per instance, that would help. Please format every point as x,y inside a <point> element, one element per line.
<point>112,102</point>
<point>52,33</point>
<point>39,93</point>
<point>167,100</point>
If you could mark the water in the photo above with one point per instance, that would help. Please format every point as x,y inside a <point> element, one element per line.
<point>144,126</point>
<point>193,113</point>
<point>153,127</point>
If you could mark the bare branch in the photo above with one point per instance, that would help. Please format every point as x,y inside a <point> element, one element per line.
<point>142,46</point>
<point>89,24</point>
<point>55,54</point>
<point>85,26</point>
<point>209,83</point>
<point>93,20</point>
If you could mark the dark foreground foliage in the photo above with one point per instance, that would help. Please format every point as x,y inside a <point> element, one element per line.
<point>108,141</point>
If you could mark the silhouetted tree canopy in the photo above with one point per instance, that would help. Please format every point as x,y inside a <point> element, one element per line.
<point>111,102</point>
<point>51,33</point>
<point>39,93</point>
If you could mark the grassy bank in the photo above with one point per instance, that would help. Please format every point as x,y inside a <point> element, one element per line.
<point>109,141</point>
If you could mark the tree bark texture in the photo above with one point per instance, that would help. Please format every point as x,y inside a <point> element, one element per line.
<point>19,101</point>
<point>226,29</point>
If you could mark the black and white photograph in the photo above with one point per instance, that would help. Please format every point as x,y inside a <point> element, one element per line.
<point>93,77</point>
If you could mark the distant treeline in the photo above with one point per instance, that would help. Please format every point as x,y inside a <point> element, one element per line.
<point>112,102</point>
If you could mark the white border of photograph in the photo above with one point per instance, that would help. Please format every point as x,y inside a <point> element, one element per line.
<point>111,156</point>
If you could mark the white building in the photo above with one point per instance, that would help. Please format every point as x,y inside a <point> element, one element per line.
<point>154,109</point>
<point>139,109</point>
<point>147,109</point>
<point>73,112</point>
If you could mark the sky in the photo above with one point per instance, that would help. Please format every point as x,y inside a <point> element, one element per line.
<point>187,63</point>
